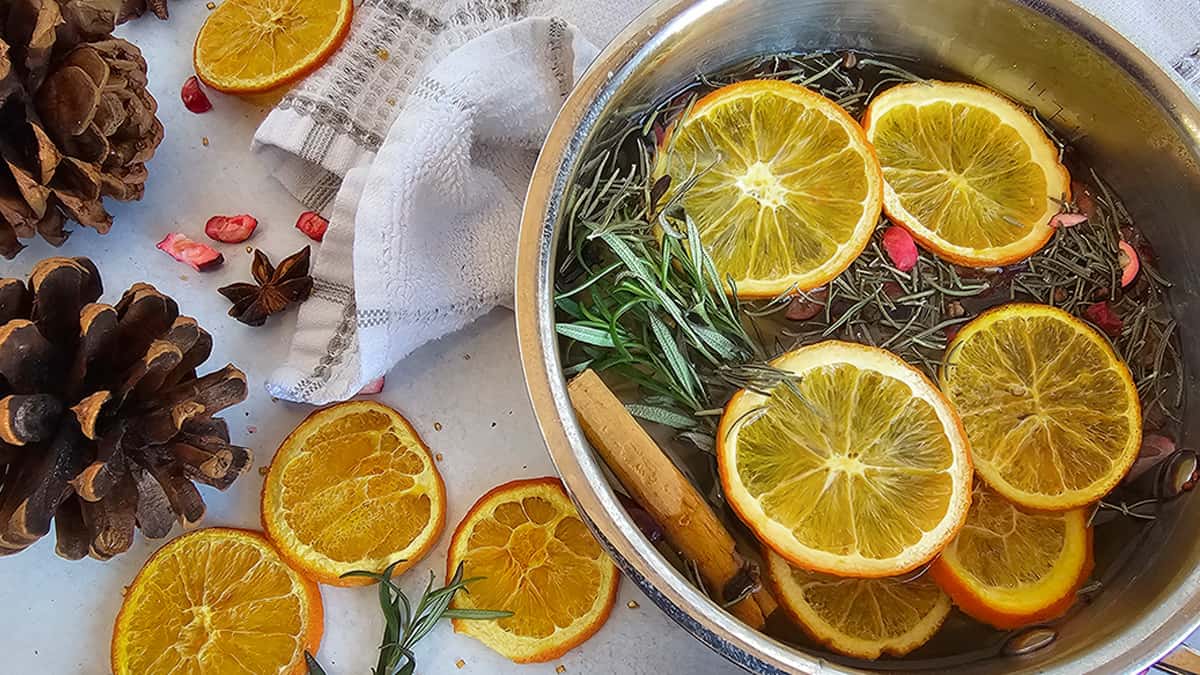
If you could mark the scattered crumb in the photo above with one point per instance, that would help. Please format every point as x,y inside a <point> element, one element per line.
<point>459,664</point>
<point>525,466</point>
<point>632,604</point>
<point>183,277</point>
<point>204,141</point>
<point>438,457</point>
<point>250,249</point>
<point>560,669</point>
<point>262,470</point>
<point>383,54</point>
<point>437,426</point>
<point>466,357</point>
<point>247,413</point>
<point>391,100</point>
<point>493,424</point>
<point>250,429</point>
<point>211,5</point>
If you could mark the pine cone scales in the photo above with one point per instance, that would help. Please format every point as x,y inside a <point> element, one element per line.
<point>76,121</point>
<point>104,424</point>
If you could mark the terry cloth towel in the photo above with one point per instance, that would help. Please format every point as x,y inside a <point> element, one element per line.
<point>418,139</point>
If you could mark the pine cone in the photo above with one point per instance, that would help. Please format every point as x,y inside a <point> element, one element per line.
<point>76,121</point>
<point>103,421</point>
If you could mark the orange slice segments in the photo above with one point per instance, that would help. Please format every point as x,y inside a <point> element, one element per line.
<point>217,600</point>
<point>539,561</point>
<point>353,487</point>
<point>250,46</point>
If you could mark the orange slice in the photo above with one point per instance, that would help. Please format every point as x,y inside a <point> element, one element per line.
<point>217,600</point>
<point>972,176</point>
<point>1010,568</point>
<point>856,465</point>
<point>353,488</point>
<point>251,46</point>
<point>1051,411</point>
<point>787,189</point>
<point>863,618</point>
<point>539,561</point>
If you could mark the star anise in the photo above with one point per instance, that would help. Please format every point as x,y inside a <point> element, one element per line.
<point>274,290</point>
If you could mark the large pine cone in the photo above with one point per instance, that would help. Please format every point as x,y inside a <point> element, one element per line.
<point>76,121</point>
<point>103,421</point>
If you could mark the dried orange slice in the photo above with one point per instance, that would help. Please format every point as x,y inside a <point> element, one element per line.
<point>972,176</point>
<point>217,600</point>
<point>251,46</point>
<point>1011,568</point>
<point>539,561</point>
<point>1051,411</point>
<point>863,618</point>
<point>854,464</point>
<point>787,189</point>
<point>353,488</point>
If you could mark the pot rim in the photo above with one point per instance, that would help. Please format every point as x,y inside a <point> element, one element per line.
<point>1156,633</point>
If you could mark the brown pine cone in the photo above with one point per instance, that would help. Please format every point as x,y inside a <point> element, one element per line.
<point>76,121</point>
<point>104,423</point>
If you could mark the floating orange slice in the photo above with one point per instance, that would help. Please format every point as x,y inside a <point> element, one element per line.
<point>863,618</point>
<point>1011,568</point>
<point>353,488</point>
<point>217,600</point>
<point>973,177</point>
<point>856,465</point>
<point>251,46</point>
<point>1051,411</point>
<point>787,189</point>
<point>539,561</point>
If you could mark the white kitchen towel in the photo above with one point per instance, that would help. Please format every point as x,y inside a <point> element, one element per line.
<point>426,125</point>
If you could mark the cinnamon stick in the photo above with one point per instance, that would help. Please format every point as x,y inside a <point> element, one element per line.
<point>652,479</point>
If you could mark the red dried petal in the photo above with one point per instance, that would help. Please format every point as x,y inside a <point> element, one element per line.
<point>900,247</point>
<point>1130,265</point>
<point>803,308</point>
<point>201,257</point>
<point>373,387</point>
<point>1105,318</point>
<point>230,229</point>
<point>312,224</point>
<point>1064,219</point>
<point>194,98</point>
<point>1155,448</point>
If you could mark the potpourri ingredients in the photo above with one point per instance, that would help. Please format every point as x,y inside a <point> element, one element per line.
<point>971,175</point>
<point>313,225</point>
<point>864,618</point>
<point>194,98</point>
<point>105,423</point>
<point>1011,568</point>
<point>275,288</point>
<point>230,229</point>
<point>535,558</point>
<point>217,600</point>
<point>198,256</point>
<point>353,487</point>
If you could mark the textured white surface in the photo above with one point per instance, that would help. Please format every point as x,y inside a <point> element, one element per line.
<point>56,616</point>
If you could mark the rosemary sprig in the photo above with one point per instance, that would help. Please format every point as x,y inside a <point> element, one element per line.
<point>405,624</point>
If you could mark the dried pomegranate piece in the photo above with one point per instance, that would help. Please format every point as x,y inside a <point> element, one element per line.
<point>194,98</point>
<point>1128,258</point>
<point>900,247</point>
<point>1065,219</point>
<point>312,224</point>
<point>373,387</point>
<point>1105,318</point>
<point>201,257</point>
<point>231,229</point>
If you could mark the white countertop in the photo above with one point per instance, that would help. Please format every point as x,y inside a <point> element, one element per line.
<point>58,615</point>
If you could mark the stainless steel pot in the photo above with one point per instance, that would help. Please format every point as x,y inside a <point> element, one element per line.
<point>1140,130</point>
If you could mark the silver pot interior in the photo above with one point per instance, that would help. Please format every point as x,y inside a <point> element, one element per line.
<point>1127,119</point>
